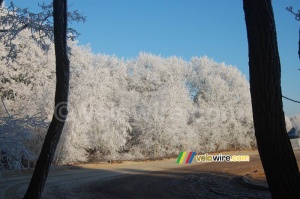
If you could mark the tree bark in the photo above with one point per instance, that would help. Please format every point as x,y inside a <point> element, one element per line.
<point>274,146</point>
<point>44,161</point>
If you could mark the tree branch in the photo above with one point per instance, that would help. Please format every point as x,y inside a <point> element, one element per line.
<point>14,20</point>
<point>297,15</point>
<point>290,99</point>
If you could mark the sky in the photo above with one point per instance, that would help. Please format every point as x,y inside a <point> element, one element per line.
<point>185,28</point>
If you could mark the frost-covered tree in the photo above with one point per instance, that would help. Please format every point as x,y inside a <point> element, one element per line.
<point>295,120</point>
<point>159,118</point>
<point>19,138</point>
<point>222,108</point>
<point>98,120</point>
<point>28,81</point>
<point>144,107</point>
<point>288,123</point>
<point>15,20</point>
<point>138,108</point>
<point>28,78</point>
<point>27,50</point>
<point>27,90</point>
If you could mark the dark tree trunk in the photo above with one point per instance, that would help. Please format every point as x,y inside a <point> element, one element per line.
<point>274,146</point>
<point>43,164</point>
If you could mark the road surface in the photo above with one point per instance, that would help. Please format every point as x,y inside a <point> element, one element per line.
<point>149,179</point>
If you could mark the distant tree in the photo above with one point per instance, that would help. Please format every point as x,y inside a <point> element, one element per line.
<point>274,146</point>
<point>43,164</point>
<point>295,120</point>
<point>288,124</point>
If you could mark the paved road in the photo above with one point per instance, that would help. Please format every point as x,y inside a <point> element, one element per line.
<point>62,180</point>
<point>150,178</point>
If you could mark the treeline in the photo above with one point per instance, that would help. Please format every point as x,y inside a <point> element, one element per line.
<point>145,107</point>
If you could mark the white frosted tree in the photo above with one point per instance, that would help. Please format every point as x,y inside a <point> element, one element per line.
<point>98,123</point>
<point>288,123</point>
<point>26,91</point>
<point>16,141</point>
<point>162,106</point>
<point>295,120</point>
<point>145,107</point>
<point>222,114</point>
<point>28,77</point>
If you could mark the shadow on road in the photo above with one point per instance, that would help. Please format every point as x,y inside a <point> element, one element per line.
<point>156,179</point>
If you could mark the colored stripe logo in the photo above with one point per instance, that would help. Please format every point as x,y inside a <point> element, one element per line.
<point>188,157</point>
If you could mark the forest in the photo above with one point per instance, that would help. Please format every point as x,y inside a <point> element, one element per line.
<point>122,109</point>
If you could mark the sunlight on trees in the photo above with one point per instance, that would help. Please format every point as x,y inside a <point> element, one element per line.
<point>15,20</point>
<point>145,107</point>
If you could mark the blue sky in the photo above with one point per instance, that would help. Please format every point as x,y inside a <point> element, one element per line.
<point>185,28</point>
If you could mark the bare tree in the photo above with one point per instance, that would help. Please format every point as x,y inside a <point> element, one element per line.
<point>42,167</point>
<point>274,146</point>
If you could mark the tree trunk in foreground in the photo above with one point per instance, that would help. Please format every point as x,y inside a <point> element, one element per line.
<point>274,146</point>
<point>43,164</point>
